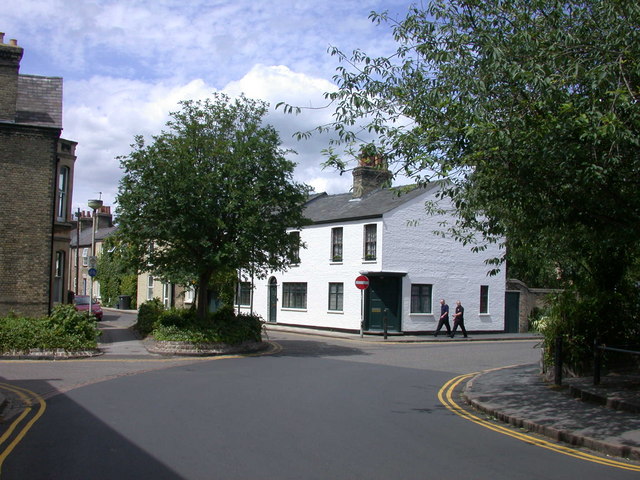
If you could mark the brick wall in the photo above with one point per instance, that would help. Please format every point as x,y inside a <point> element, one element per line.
<point>27,170</point>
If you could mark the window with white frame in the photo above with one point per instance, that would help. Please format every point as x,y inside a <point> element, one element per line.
<point>295,248</point>
<point>484,298</point>
<point>189,294</point>
<point>85,257</point>
<point>336,244</point>
<point>336,296</point>
<point>370,241</point>
<point>294,295</point>
<point>150,287</point>
<point>243,294</point>
<point>58,280</point>
<point>421,298</point>
<point>63,194</point>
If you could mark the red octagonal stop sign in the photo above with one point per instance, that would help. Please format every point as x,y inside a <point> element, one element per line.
<point>362,282</point>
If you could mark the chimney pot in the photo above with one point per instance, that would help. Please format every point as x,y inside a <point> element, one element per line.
<point>13,42</point>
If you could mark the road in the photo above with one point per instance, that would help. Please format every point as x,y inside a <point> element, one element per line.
<point>312,408</point>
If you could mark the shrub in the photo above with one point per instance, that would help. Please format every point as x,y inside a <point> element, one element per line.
<point>223,326</point>
<point>148,314</point>
<point>65,329</point>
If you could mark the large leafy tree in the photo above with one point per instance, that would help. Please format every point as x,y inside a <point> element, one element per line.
<point>531,108</point>
<point>212,194</point>
<point>115,272</point>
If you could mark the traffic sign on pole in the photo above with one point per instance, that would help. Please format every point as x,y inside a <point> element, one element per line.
<point>362,282</point>
<point>92,272</point>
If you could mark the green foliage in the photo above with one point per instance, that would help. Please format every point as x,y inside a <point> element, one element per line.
<point>530,108</point>
<point>184,325</point>
<point>148,314</point>
<point>64,329</point>
<point>116,272</point>
<point>581,321</point>
<point>214,193</point>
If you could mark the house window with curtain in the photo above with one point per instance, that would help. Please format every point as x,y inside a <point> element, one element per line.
<point>336,244</point>
<point>336,296</point>
<point>421,300</point>
<point>484,298</point>
<point>370,242</point>
<point>294,295</point>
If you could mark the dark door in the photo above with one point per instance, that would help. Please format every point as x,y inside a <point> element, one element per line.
<point>511,312</point>
<point>383,300</point>
<point>273,300</point>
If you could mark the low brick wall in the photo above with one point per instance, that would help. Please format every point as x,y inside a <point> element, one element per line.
<point>204,349</point>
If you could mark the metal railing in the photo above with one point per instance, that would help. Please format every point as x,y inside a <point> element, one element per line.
<point>597,358</point>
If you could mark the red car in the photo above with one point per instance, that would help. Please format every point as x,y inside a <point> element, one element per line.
<point>81,303</point>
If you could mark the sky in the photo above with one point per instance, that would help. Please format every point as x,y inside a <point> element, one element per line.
<point>126,64</point>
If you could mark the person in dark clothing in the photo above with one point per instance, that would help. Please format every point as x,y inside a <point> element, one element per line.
<point>444,318</point>
<point>458,319</point>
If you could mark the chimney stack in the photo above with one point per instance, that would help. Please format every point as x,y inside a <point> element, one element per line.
<point>371,173</point>
<point>10,56</point>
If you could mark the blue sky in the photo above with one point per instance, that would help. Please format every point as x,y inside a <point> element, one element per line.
<point>126,64</point>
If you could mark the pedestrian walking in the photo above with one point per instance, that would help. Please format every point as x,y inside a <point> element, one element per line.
<point>458,319</point>
<point>444,318</point>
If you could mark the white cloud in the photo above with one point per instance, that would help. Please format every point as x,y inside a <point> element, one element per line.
<point>127,64</point>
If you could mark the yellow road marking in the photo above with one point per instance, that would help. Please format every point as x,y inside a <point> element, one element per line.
<point>28,397</point>
<point>445,395</point>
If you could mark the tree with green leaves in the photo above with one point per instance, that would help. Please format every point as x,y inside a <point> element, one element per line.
<point>115,272</point>
<point>211,195</point>
<point>531,108</point>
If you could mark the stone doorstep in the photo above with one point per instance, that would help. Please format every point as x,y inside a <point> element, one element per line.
<point>204,349</point>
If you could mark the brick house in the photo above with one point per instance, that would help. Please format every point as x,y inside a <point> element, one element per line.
<point>36,167</point>
<point>81,238</point>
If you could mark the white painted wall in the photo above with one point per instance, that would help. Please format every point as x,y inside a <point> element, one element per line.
<point>455,272</point>
<point>318,271</point>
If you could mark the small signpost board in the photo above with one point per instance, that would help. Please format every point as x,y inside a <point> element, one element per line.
<point>362,283</point>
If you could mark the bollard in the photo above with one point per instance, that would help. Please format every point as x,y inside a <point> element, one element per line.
<point>557,361</point>
<point>384,322</point>
<point>597,362</point>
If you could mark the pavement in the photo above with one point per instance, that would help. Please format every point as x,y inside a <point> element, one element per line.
<point>603,418</point>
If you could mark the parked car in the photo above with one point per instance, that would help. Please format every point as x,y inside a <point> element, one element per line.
<point>81,303</point>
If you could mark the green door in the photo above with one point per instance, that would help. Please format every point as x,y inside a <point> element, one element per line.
<point>511,312</point>
<point>383,300</point>
<point>273,300</point>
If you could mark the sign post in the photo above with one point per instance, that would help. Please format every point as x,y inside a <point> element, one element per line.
<point>362,283</point>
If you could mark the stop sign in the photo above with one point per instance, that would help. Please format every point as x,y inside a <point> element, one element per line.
<point>362,282</point>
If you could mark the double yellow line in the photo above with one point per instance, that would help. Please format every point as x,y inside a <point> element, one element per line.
<point>34,407</point>
<point>446,394</point>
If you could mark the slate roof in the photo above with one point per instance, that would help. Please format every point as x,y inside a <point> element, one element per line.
<point>85,235</point>
<point>323,208</point>
<point>39,101</point>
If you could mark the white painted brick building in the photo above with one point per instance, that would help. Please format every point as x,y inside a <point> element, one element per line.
<point>389,238</point>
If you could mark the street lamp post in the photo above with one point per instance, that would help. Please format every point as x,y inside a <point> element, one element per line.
<point>93,205</point>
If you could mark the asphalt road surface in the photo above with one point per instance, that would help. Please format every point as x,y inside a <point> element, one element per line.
<point>313,408</point>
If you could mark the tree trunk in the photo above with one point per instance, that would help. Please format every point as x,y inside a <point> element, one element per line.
<point>203,294</point>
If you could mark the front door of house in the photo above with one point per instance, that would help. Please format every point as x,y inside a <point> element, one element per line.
<point>383,303</point>
<point>273,300</point>
<point>511,312</point>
